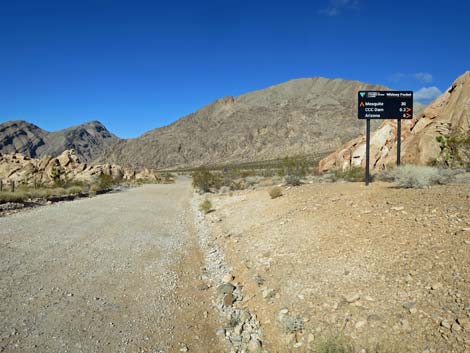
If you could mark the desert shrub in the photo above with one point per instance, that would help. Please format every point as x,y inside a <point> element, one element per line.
<point>455,149</point>
<point>353,174</point>
<point>293,324</point>
<point>334,344</point>
<point>104,182</point>
<point>168,178</point>
<point>238,185</point>
<point>205,206</point>
<point>251,181</point>
<point>297,165</point>
<point>275,192</point>
<point>293,180</point>
<point>8,196</point>
<point>204,180</point>
<point>412,176</point>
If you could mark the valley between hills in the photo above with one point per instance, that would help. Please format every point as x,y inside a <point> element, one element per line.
<point>102,250</point>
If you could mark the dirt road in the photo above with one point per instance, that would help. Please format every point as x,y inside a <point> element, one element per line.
<point>114,273</point>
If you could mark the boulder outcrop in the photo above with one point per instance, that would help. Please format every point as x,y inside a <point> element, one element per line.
<point>448,114</point>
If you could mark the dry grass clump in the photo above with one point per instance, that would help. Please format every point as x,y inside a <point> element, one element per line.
<point>413,176</point>
<point>275,192</point>
<point>205,206</point>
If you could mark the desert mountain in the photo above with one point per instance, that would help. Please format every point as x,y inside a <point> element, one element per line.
<point>302,116</point>
<point>447,115</point>
<point>88,140</point>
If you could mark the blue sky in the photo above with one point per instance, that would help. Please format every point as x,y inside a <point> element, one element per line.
<point>137,65</point>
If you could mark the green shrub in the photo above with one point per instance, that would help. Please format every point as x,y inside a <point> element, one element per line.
<point>455,150</point>
<point>205,206</point>
<point>275,192</point>
<point>295,166</point>
<point>412,176</point>
<point>353,174</point>
<point>104,182</point>
<point>8,196</point>
<point>204,180</point>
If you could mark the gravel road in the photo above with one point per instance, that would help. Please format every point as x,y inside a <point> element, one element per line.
<point>114,273</point>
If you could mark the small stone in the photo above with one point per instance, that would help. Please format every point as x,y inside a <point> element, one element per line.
<point>298,345</point>
<point>226,288</point>
<point>229,299</point>
<point>268,293</point>
<point>184,348</point>
<point>436,286</point>
<point>360,324</point>
<point>228,278</point>
<point>353,298</point>
<point>456,327</point>
<point>411,307</point>
<point>445,324</point>
<point>254,346</point>
<point>397,208</point>
<point>464,323</point>
<point>310,338</point>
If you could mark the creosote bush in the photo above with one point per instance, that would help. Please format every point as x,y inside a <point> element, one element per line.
<point>413,176</point>
<point>204,180</point>
<point>353,174</point>
<point>294,169</point>
<point>205,206</point>
<point>275,192</point>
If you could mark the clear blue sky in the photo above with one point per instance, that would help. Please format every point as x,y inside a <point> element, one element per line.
<point>136,65</point>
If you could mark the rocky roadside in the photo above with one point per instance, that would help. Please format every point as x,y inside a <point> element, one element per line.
<point>241,330</point>
<point>381,266</point>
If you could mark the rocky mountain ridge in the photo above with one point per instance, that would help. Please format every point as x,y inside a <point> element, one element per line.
<point>302,116</point>
<point>89,140</point>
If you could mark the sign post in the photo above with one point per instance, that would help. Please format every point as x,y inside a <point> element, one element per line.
<point>383,105</point>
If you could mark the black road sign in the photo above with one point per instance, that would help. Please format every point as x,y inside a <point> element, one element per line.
<point>385,104</point>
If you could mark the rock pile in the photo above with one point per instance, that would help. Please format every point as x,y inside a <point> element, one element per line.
<point>48,170</point>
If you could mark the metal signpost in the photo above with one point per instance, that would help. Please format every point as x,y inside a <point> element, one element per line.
<point>384,105</point>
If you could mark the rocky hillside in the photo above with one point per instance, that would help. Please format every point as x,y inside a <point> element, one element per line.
<point>89,140</point>
<point>447,115</point>
<point>300,116</point>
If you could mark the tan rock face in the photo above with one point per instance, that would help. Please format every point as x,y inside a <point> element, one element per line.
<point>448,113</point>
<point>67,166</point>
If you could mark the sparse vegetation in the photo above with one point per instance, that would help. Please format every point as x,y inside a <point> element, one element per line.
<point>294,169</point>
<point>104,182</point>
<point>204,180</point>
<point>24,194</point>
<point>455,150</point>
<point>354,174</point>
<point>293,324</point>
<point>205,206</point>
<point>334,344</point>
<point>275,192</point>
<point>412,176</point>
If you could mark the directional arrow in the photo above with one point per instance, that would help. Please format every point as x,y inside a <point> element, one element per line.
<point>408,110</point>
<point>408,115</point>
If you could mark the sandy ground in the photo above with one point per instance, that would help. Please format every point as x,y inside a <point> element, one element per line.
<point>378,265</point>
<point>114,273</point>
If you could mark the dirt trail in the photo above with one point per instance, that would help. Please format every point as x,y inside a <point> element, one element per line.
<point>115,273</point>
